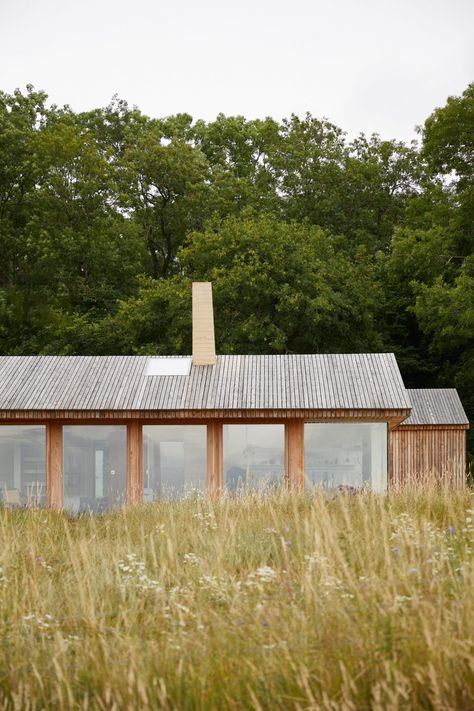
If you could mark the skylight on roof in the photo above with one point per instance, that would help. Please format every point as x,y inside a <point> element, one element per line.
<point>168,365</point>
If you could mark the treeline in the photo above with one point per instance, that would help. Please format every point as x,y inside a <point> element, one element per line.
<point>314,243</point>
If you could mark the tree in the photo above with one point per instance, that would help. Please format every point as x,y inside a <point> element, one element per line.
<point>21,119</point>
<point>448,138</point>
<point>239,155</point>
<point>448,148</point>
<point>163,183</point>
<point>446,312</point>
<point>278,288</point>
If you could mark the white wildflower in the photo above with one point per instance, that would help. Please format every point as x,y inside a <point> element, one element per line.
<point>206,520</point>
<point>265,574</point>
<point>134,575</point>
<point>192,559</point>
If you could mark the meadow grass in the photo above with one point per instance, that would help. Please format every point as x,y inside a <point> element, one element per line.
<point>283,602</point>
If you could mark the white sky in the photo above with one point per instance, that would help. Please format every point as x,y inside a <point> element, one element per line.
<point>367,65</point>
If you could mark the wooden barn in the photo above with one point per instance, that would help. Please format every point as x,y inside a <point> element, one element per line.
<point>92,433</point>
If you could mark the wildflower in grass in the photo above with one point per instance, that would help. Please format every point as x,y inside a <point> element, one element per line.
<point>332,584</point>
<point>401,601</point>
<point>396,550</point>
<point>265,574</point>
<point>314,558</point>
<point>191,559</point>
<point>217,587</point>
<point>38,622</point>
<point>43,563</point>
<point>207,520</point>
<point>451,529</point>
<point>181,608</point>
<point>134,575</point>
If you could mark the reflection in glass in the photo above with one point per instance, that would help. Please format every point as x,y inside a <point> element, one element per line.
<point>350,455</point>
<point>23,465</point>
<point>95,465</point>
<point>253,457</point>
<point>175,459</point>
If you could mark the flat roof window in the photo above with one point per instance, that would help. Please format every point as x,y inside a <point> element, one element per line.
<point>169,365</point>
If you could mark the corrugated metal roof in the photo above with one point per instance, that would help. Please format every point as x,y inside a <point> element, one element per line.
<point>352,381</point>
<point>440,406</point>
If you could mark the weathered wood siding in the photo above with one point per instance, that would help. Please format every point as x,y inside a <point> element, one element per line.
<point>427,454</point>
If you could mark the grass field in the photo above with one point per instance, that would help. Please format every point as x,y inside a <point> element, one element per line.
<point>349,602</point>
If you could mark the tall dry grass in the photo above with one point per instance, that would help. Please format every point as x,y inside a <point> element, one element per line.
<point>350,602</point>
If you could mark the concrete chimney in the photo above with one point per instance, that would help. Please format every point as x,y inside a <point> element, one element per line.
<point>204,345</point>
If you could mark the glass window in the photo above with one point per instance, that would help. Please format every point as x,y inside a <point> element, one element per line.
<point>350,455</point>
<point>254,456</point>
<point>23,465</point>
<point>95,466</point>
<point>175,458</point>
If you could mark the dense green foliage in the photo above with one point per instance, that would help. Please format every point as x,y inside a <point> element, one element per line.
<point>275,603</point>
<point>314,243</point>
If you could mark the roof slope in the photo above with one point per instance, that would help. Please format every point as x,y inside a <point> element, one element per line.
<point>352,381</point>
<point>440,406</point>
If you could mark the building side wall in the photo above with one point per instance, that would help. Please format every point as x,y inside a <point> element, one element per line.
<point>427,454</point>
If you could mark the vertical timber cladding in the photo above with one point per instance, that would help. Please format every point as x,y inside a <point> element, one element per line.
<point>134,462</point>
<point>54,465</point>
<point>294,455</point>
<point>428,454</point>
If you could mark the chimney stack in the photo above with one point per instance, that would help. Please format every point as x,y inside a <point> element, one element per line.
<point>204,346</point>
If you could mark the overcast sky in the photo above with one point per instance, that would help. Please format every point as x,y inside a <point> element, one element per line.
<point>367,65</point>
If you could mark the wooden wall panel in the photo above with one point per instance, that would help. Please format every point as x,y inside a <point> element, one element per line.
<point>294,455</point>
<point>427,454</point>
<point>134,462</point>
<point>54,465</point>
<point>215,458</point>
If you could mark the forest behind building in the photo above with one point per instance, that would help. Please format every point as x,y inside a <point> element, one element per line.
<point>314,242</point>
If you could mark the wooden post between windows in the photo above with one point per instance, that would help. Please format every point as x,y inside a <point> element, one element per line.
<point>134,462</point>
<point>294,455</point>
<point>215,456</point>
<point>54,465</point>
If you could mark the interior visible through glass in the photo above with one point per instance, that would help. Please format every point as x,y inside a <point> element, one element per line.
<point>352,455</point>
<point>254,457</point>
<point>23,465</point>
<point>95,467</point>
<point>175,458</point>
